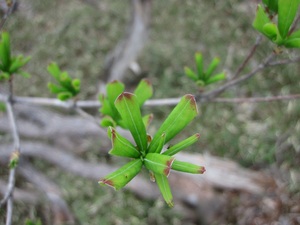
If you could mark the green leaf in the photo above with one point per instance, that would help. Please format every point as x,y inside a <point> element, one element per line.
<point>105,106</point>
<point>287,10</point>
<point>164,187</point>
<point>270,30</point>
<point>178,119</point>
<point>261,19</point>
<point>216,78</point>
<point>212,66</point>
<point>144,91</point>
<point>128,107</point>
<point>63,96</point>
<point>114,89</point>
<point>272,5</point>
<point>4,76</point>
<point>295,34</point>
<point>107,121</point>
<point>76,84</point>
<point>121,146</point>
<point>187,167</point>
<point>55,89</point>
<point>199,64</point>
<point>190,73</point>
<point>182,145</point>
<point>5,56</point>
<point>147,119</point>
<point>292,43</point>
<point>123,175</point>
<point>17,63</point>
<point>24,74</point>
<point>54,70</point>
<point>161,143</point>
<point>158,163</point>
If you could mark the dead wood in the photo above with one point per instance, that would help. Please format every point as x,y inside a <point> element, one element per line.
<point>128,49</point>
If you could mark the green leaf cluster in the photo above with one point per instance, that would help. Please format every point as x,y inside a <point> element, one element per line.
<point>149,151</point>
<point>280,33</point>
<point>9,64</point>
<point>66,87</point>
<point>202,77</point>
<point>111,116</point>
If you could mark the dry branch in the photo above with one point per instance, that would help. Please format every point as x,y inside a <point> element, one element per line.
<point>127,50</point>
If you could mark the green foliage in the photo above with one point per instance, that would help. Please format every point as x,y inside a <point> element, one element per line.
<point>201,77</point>
<point>14,160</point>
<point>149,151</point>
<point>9,64</point>
<point>31,222</point>
<point>279,33</point>
<point>67,87</point>
<point>108,109</point>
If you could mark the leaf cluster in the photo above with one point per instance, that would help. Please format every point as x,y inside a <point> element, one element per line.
<point>204,77</point>
<point>9,64</point>
<point>280,33</point>
<point>66,87</point>
<point>111,116</point>
<point>149,151</point>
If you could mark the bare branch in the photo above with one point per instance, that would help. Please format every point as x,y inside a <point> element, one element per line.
<point>128,49</point>
<point>231,83</point>
<point>249,56</point>
<point>8,12</point>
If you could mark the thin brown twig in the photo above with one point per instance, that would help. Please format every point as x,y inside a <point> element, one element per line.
<point>7,14</point>
<point>231,83</point>
<point>249,56</point>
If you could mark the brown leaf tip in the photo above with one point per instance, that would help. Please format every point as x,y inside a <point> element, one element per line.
<point>192,100</point>
<point>107,182</point>
<point>202,170</point>
<point>147,81</point>
<point>197,135</point>
<point>168,168</point>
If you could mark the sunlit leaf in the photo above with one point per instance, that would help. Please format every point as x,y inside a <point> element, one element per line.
<point>121,146</point>
<point>123,175</point>
<point>287,10</point>
<point>261,19</point>
<point>164,187</point>
<point>182,145</point>
<point>144,91</point>
<point>128,107</point>
<point>187,167</point>
<point>178,119</point>
<point>158,163</point>
<point>190,73</point>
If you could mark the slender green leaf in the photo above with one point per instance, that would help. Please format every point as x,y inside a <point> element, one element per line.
<point>216,78</point>
<point>63,96</point>
<point>158,163</point>
<point>199,64</point>
<point>147,120</point>
<point>54,70</point>
<point>55,89</point>
<point>261,19</point>
<point>123,175</point>
<point>295,34</point>
<point>292,43</point>
<point>114,89</point>
<point>144,91</point>
<point>182,145</point>
<point>161,143</point>
<point>107,121</point>
<point>5,51</point>
<point>76,84</point>
<point>287,10</point>
<point>212,66</point>
<point>270,30</point>
<point>128,107</point>
<point>178,119</point>
<point>164,187</point>
<point>187,167</point>
<point>121,146</point>
<point>190,73</point>
<point>272,5</point>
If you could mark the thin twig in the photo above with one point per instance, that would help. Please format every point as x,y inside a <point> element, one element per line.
<point>7,14</point>
<point>221,89</point>
<point>11,182</point>
<point>257,99</point>
<point>249,56</point>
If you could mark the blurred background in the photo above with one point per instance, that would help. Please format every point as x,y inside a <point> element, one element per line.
<point>260,139</point>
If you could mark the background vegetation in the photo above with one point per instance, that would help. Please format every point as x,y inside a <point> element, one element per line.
<point>78,37</point>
